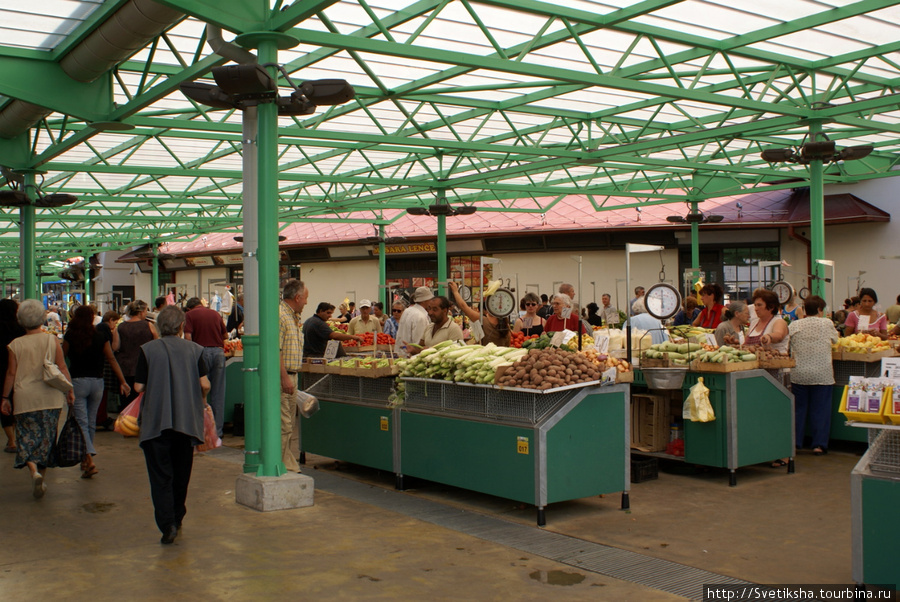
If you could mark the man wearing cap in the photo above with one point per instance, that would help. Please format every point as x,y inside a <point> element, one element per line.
<point>364,322</point>
<point>413,322</point>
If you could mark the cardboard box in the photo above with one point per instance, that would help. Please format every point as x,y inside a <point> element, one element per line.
<point>649,422</point>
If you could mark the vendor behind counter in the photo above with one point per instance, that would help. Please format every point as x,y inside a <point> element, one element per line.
<point>317,333</point>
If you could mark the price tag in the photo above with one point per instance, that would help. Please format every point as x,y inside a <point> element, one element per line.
<point>890,368</point>
<point>566,313</point>
<point>331,350</point>
<point>477,330</point>
<point>601,342</point>
<point>522,445</point>
<point>711,339</point>
<point>862,324</point>
<point>385,424</point>
<point>527,322</point>
<point>560,337</point>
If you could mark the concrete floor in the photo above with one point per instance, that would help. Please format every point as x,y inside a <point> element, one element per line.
<point>96,540</point>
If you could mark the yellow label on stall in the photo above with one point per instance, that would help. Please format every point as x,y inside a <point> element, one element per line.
<point>522,445</point>
<point>385,425</point>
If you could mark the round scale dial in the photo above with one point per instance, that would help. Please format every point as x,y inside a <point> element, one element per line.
<point>662,301</point>
<point>501,303</point>
<point>783,291</point>
<point>803,293</point>
<point>465,292</point>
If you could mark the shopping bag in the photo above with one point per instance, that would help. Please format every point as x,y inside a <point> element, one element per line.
<point>127,421</point>
<point>54,377</point>
<point>697,407</point>
<point>210,435</point>
<point>71,445</point>
<point>306,403</point>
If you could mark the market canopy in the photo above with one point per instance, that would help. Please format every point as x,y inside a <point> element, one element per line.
<point>505,105</point>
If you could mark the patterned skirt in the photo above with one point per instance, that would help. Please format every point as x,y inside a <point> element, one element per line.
<point>36,438</point>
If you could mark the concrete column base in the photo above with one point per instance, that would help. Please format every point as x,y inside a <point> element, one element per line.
<point>265,494</point>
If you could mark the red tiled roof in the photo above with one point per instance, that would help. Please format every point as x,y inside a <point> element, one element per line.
<point>769,208</point>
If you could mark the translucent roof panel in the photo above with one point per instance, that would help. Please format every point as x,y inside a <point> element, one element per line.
<point>42,25</point>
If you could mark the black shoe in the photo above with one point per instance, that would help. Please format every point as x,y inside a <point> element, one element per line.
<point>169,534</point>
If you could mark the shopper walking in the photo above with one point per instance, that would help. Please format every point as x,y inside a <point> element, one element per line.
<point>10,329</point>
<point>38,405</point>
<point>290,343</point>
<point>88,350</point>
<point>171,374</point>
<point>206,327</point>
<point>133,332</point>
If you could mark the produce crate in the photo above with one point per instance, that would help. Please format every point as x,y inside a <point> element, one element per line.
<point>647,362</point>
<point>891,409</point>
<point>624,377</point>
<point>698,366</point>
<point>644,469</point>
<point>787,362</point>
<point>866,357</point>
<point>649,422</point>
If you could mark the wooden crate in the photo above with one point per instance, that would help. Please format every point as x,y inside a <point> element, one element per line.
<point>698,366</point>
<point>787,362</point>
<point>866,357</point>
<point>649,422</point>
<point>625,377</point>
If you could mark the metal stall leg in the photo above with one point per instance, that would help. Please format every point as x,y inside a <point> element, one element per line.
<point>732,478</point>
<point>626,502</point>
<point>791,465</point>
<point>302,457</point>
<point>399,483</point>
<point>541,517</point>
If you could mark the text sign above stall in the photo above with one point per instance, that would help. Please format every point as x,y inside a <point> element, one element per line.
<point>425,247</point>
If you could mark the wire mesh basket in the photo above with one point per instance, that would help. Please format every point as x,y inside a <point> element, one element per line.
<point>367,391</point>
<point>884,450</point>
<point>483,401</point>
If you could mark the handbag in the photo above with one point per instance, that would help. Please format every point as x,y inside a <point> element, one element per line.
<point>71,445</point>
<point>53,376</point>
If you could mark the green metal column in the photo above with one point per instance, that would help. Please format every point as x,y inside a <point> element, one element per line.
<point>252,435</point>
<point>27,266</point>
<point>154,273</point>
<point>695,241</point>
<point>442,253</point>
<point>382,271</point>
<point>269,359</point>
<point>817,215</point>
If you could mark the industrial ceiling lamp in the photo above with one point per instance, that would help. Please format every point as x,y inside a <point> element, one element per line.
<point>249,84</point>
<point>13,198</point>
<point>695,218</point>
<point>816,150</point>
<point>58,199</point>
<point>442,207</point>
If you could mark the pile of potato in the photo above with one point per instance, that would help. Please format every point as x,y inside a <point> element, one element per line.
<point>549,368</point>
<point>764,353</point>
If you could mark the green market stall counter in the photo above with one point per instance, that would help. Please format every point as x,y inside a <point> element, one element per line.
<point>520,444</point>
<point>754,421</point>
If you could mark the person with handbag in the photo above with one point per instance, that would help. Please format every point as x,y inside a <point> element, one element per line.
<point>88,350</point>
<point>38,404</point>
<point>171,374</point>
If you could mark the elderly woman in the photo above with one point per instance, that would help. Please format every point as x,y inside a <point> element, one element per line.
<point>731,331</point>
<point>38,405</point>
<point>713,311</point>
<point>171,374</point>
<point>767,328</point>
<point>133,332</point>
<point>561,319</point>
<point>496,330</point>
<point>88,350</point>
<point>530,323</point>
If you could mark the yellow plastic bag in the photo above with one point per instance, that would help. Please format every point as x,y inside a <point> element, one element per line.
<point>697,407</point>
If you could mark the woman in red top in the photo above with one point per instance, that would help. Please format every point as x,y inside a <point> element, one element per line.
<point>713,311</point>
<point>558,322</point>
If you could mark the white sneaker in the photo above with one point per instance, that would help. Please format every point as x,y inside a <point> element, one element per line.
<point>37,485</point>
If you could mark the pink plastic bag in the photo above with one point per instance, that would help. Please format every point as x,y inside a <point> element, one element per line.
<point>210,436</point>
<point>126,423</point>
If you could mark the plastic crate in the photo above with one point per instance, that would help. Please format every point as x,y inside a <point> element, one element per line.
<point>644,469</point>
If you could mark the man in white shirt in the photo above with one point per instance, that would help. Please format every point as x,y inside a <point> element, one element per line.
<point>413,322</point>
<point>610,314</point>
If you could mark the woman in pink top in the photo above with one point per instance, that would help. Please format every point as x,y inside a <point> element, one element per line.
<point>877,322</point>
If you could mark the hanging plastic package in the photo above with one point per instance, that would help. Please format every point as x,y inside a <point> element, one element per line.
<point>697,407</point>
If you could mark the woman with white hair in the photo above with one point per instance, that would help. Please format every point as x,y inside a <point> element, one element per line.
<point>561,319</point>
<point>641,320</point>
<point>38,405</point>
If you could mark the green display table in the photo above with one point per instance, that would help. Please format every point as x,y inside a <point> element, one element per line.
<point>527,446</point>
<point>234,385</point>
<point>754,421</point>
